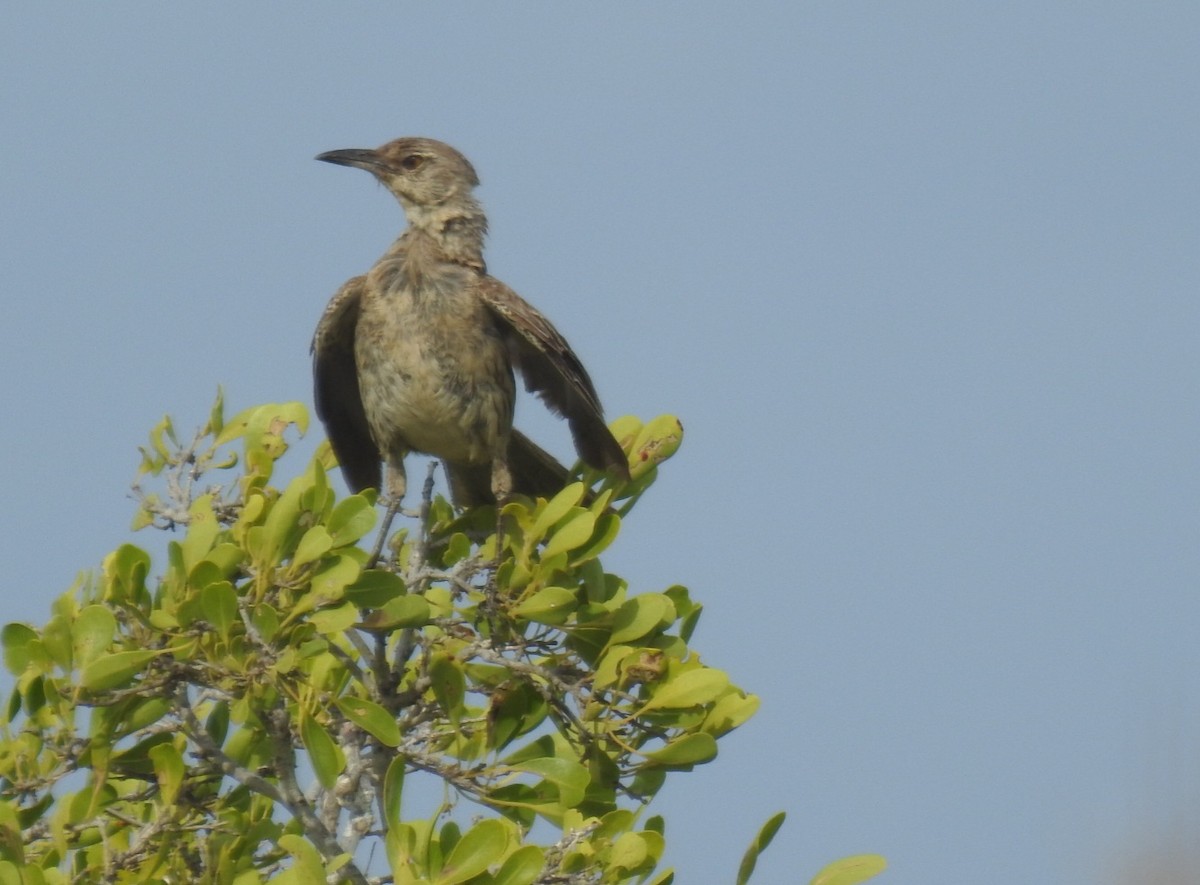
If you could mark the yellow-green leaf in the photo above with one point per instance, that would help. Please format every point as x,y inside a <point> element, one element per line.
<point>169,770</point>
<point>575,532</point>
<point>220,606</point>
<point>374,588</point>
<point>569,776</point>
<point>371,718</point>
<point>393,790</point>
<point>315,543</point>
<point>608,526</point>
<point>640,616</point>
<point>689,689</point>
<point>690,749</point>
<point>482,846</point>
<point>351,518</point>
<point>521,867</point>
<point>202,531</point>
<point>92,634</point>
<point>449,687</point>
<point>629,852</point>
<point>338,619</point>
<point>308,867</point>
<point>403,611</point>
<point>114,670</point>
<point>551,605</point>
<point>328,761</point>
<point>761,841</point>
<point>851,870</point>
<point>657,441</point>
<point>17,639</point>
<point>729,712</point>
<point>556,508</point>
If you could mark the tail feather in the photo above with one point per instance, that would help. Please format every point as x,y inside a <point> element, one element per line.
<point>535,472</point>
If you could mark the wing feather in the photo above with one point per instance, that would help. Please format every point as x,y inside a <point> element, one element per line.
<point>336,393</point>
<point>553,371</point>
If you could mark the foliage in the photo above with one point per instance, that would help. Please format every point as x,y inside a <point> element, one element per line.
<point>265,710</point>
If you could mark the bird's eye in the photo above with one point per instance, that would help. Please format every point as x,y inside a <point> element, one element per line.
<point>412,162</point>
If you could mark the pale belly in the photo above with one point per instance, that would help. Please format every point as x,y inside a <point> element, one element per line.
<point>434,380</point>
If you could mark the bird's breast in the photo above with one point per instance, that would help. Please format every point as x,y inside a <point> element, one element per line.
<point>433,370</point>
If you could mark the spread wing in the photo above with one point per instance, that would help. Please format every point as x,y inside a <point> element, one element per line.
<point>552,370</point>
<point>335,389</point>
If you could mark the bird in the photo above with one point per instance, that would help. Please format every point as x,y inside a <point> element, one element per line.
<point>418,354</point>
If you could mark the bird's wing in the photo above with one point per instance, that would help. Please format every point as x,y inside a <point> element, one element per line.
<point>552,370</point>
<point>335,389</point>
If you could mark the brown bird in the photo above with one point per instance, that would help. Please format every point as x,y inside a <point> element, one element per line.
<point>418,354</point>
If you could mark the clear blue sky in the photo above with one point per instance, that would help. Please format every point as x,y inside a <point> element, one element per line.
<point>920,279</point>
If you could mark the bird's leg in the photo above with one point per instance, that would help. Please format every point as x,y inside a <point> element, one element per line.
<point>502,486</point>
<point>420,548</point>
<point>397,484</point>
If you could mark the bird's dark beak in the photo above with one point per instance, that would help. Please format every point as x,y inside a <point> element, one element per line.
<point>359,158</point>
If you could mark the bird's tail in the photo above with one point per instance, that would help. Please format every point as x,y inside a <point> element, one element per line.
<point>535,472</point>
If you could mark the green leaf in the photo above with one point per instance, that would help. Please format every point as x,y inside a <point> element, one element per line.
<point>556,508</point>
<point>551,605</point>
<point>125,571</point>
<point>330,582</point>
<point>216,415</point>
<point>217,723</point>
<point>521,867</point>
<point>279,531</point>
<point>657,441</point>
<point>458,548</point>
<point>729,712</point>
<point>402,845</point>
<point>334,620</point>
<point>371,718</point>
<point>17,639</point>
<point>308,868</point>
<point>575,532</point>
<point>393,789</point>
<point>225,558</point>
<point>685,751</point>
<point>449,687</point>
<point>403,611</point>
<point>640,616</point>
<point>608,526</point>
<point>92,634</point>
<point>690,689</point>
<point>219,603</point>
<point>482,846</point>
<point>759,845</point>
<point>351,518</point>
<point>850,870</point>
<point>114,670</point>
<point>609,669</point>
<point>569,776</point>
<point>315,543</point>
<point>328,761</point>
<point>169,770</point>
<point>629,852</point>
<point>202,531</point>
<point>258,420</point>
<point>328,585</point>
<point>143,712</point>
<point>375,588</point>
<point>614,824</point>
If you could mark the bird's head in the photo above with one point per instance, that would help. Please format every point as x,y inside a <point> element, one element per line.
<point>422,173</point>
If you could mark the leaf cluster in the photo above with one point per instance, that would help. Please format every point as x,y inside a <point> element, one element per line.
<point>262,710</point>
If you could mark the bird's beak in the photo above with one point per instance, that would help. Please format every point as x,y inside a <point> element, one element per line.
<point>359,158</point>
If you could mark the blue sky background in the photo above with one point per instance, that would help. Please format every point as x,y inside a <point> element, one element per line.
<point>920,279</point>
